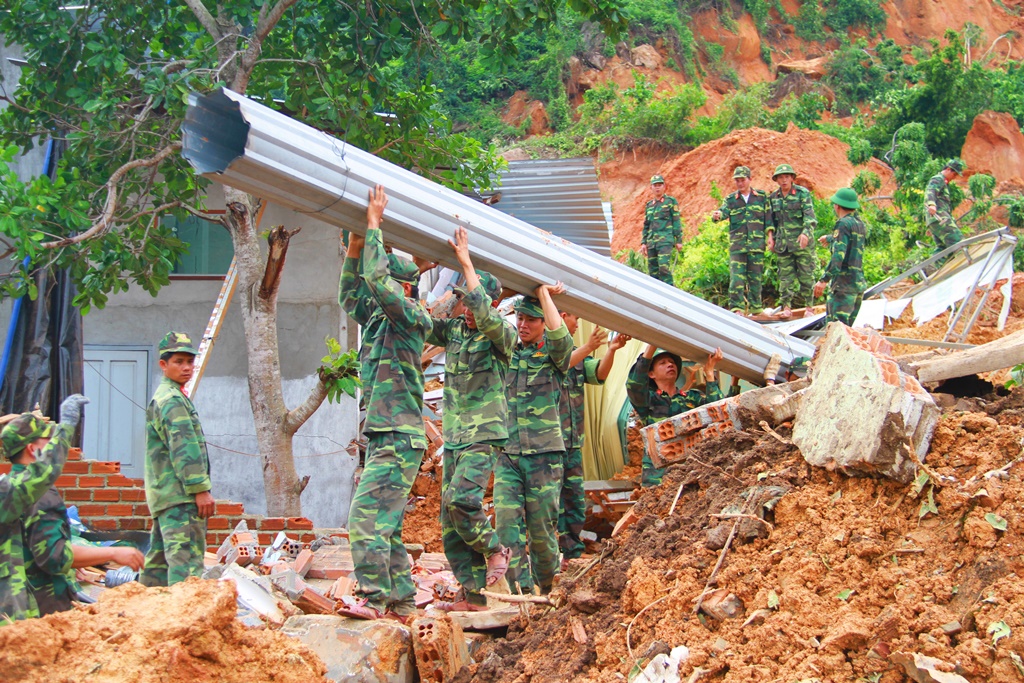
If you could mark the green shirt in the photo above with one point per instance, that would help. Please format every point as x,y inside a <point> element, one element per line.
<point>653,405</point>
<point>662,224</point>
<point>177,464</point>
<point>534,383</point>
<point>475,365</point>
<point>584,372</point>
<point>792,215</point>
<point>748,220</point>
<point>846,265</point>
<point>936,194</point>
<point>19,491</point>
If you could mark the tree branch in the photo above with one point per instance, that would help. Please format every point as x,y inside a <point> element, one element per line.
<point>296,418</point>
<point>111,205</point>
<point>278,240</point>
<point>267,22</point>
<point>205,18</point>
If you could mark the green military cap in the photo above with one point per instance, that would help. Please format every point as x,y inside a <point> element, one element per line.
<point>176,342</point>
<point>23,430</point>
<point>741,172</point>
<point>529,305</point>
<point>956,165</point>
<point>675,358</point>
<point>783,168</point>
<point>491,285</point>
<point>845,197</point>
<point>657,180</point>
<point>403,270</point>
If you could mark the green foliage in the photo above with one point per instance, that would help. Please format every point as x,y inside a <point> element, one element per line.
<point>704,268</point>
<point>866,183</point>
<point>632,258</point>
<point>1016,376</point>
<point>810,22</point>
<point>339,371</point>
<point>841,15</point>
<point>858,73</point>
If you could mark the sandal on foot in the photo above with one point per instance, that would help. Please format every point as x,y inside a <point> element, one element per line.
<point>358,609</point>
<point>497,565</point>
<point>787,313</point>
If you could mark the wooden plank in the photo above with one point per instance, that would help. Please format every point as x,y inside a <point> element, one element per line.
<point>996,355</point>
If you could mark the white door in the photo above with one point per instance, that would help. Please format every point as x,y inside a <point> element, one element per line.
<point>117,381</point>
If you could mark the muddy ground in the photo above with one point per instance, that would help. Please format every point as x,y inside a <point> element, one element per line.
<point>850,571</point>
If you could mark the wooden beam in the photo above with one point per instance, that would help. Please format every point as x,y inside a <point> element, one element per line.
<point>1005,352</point>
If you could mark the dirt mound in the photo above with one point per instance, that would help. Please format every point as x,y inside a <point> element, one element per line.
<point>913,22</point>
<point>995,145</point>
<point>820,162</point>
<point>187,632</point>
<point>521,108</point>
<point>845,575</point>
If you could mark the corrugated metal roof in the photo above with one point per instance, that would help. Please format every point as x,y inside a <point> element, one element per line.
<point>557,195</point>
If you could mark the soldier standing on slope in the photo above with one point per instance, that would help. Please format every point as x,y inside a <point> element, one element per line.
<point>662,233</point>
<point>844,274</point>
<point>938,217</point>
<point>749,216</point>
<point>791,236</point>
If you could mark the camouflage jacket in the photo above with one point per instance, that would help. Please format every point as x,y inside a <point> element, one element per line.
<point>534,382</point>
<point>652,404</point>
<point>662,224</point>
<point>847,263</point>
<point>936,194</point>
<point>792,216</point>
<point>177,464</point>
<point>48,552</point>
<point>475,365</point>
<point>584,372</point>
<point>19,491</point>
<point>748,220</point>
<point>394,332</point>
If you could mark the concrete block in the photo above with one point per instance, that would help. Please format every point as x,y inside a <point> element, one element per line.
<point>357,651</point>
<point>439,647</point>
<point>303,562</point>
<point>671,440</point>
<point>312,602</point>
<point>861,412</point>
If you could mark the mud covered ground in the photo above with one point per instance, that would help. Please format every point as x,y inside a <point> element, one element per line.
<point>851,571</point>
<point>154,635</point>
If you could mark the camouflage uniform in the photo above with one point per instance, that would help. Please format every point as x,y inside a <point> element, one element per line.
<point>19,491</point>
<point>572,514</point>
<point>663,230</point>
<point>177,469</point>
<point>394,330</point>
<point>528,476</point>
<point>942,225</point>
<point>473,422</point>
<point>748,220</point>
<point>653,405</point>
<point>48,552</point>
<point>845,270</point>
<point>792,216</point>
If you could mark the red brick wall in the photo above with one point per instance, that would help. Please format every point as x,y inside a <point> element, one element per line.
<point>109,501</point>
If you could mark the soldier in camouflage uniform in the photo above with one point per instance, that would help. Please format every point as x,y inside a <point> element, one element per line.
<point>382,297</point>
<point>662,233</point>
<point>790,236</point>
<point>583,369</point>
<point>19,491</point>
<point>528,476</point>
<point>653,391</point>
<point>844,274</point>
<point>177,471</point>
<point>749,215</point>
<point>938,212</point>
<point>478,343</point>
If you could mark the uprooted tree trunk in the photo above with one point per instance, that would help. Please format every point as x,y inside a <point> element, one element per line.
<point>258,284</point>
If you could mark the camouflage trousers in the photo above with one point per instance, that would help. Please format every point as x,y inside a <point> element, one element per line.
<point>746,270</point>
<point>572,514</point>
<point>52,600</point>
<point>796,278</point>
<point>177,544</point>
<point>843,302</point>
<point>375,518</point>
<point>649,474</point>
<point>945,233</point>
<point>659,262</point>
<point>467,534</point>
<point>526,490</point>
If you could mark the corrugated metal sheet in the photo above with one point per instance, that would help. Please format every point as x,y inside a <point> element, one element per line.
<point>557,195</point>
<point>233,140</point>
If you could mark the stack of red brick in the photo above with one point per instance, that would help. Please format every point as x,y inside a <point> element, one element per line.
<point>109,501</point>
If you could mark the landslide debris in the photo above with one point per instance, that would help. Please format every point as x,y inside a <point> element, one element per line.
<point>853,575</point>
<point>187,632</point>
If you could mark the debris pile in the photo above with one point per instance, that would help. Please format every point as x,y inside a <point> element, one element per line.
<point>187,632</point>
<point>763,567</point>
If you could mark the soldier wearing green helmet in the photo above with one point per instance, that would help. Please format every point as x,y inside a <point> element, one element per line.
<point>790,237</point>
<point>662,233</point>
<point>938,213</point>
<point>177,471</point>
<point>749,216</point>
<point>844,275</point>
